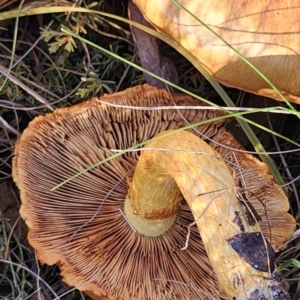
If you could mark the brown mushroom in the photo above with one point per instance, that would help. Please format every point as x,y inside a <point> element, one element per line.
<point>81,225</point>
<point>265,32</point>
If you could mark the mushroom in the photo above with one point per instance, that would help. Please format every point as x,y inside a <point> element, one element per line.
<point>259,30</point>
<point>94,228</point>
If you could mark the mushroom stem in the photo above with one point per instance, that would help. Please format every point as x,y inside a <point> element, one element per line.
<point>190,165</point>
<point>144,206</point>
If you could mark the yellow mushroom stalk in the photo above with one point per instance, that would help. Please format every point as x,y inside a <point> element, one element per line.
<point>183,163</point>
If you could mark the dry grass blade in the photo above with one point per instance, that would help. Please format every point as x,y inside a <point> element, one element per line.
<point>4,71</point>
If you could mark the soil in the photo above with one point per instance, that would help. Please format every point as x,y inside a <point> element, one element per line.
<point>9,211</point>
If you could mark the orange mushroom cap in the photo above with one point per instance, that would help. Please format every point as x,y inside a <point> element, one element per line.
<point>81,227</point>
<point>265,32</point>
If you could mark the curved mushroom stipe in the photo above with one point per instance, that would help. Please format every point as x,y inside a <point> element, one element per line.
<point>80,227</point>
<point>259,30</point>
<point>208,185</point>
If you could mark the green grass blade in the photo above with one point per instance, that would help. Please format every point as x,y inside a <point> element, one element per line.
<point>13,51</point>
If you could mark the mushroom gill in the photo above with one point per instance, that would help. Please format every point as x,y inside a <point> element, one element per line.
<point>81,225</point>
